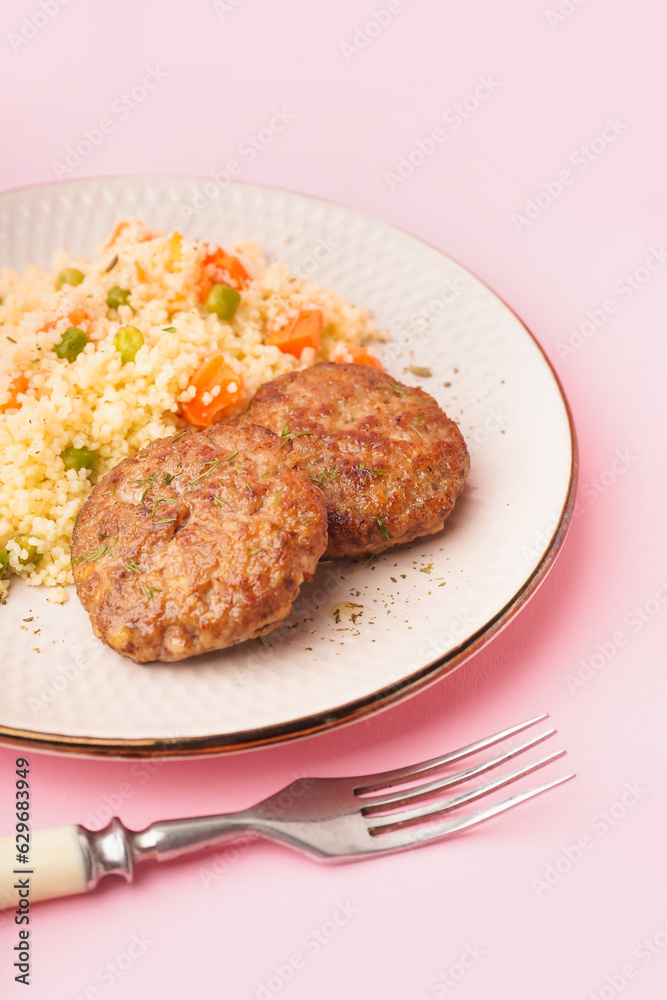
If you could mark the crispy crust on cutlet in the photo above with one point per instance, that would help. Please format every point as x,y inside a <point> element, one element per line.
<point>199,542</point>
<point>388,459</point>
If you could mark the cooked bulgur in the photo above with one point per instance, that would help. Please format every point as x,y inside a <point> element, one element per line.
<point>82,390</point>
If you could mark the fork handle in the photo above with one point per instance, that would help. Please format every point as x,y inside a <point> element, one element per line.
<point>69,860</point>
<point>55,866</point>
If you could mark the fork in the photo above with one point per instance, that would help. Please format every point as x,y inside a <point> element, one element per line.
<point>329,819</point>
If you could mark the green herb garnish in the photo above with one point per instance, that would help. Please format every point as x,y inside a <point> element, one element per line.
<point>206,472</point>
<point>287,434</point>
<point>105,550</point>
<point>330,474</point>
<point>371,472</point>
<point>383,529</point>
<point>161,500</point>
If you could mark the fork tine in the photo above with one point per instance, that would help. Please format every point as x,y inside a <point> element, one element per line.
<point>412,816</point>
<point>372,782</point>
<point>380,803</point>
<point>415,836</point>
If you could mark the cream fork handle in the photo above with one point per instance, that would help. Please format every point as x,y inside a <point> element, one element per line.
<point>56,867</point>
<point>70,859</point>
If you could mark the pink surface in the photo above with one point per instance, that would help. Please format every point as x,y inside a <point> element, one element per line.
<point>530,921</point>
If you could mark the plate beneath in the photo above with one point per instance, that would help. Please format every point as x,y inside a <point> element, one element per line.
<point>360,636</point>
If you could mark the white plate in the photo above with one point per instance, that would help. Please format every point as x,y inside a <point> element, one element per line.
<point>425,607</point>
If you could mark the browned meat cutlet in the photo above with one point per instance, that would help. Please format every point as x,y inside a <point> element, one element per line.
<point>199,542</point>
<point>389,460</point>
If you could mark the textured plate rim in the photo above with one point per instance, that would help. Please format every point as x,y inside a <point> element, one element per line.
<point>350,712</point>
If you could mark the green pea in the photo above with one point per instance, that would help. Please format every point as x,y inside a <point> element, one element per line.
<point>80,458</point>
<point>69,276</point>
<point>127,342</point>
<point>4,563</point>
<point>223,301</point>
<point>117,296</point>
<point>23,542</point>
<point>71,344</point>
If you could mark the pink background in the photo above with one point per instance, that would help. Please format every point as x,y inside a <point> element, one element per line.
<point>411,917</point>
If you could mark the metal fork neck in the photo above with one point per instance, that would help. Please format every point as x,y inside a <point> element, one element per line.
<point>115,850</point>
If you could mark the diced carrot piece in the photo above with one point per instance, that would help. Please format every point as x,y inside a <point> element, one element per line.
<point>303,331</point>
<point>18,384</point>
<point>356,355</point>
<point>141,274</point>
<point>120,226</point>
<point>215,373</point>
<point>226,270</point>
<point>76,317</point>
<point>236,271</point>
